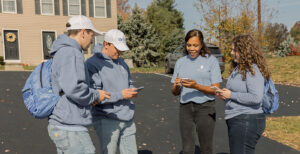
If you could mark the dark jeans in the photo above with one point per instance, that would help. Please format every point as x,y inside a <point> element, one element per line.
<point>244,132</point>
<point>200,119</point>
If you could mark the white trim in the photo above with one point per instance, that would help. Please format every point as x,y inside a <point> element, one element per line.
<point>9,12</point>
<point>19,49</point>
<point>68,1</point>
<point>42,42</point>
<point>105,11</point>
<point>41,8</point>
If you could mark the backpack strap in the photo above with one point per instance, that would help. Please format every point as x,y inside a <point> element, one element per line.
<point>61,92</point>
<point>41,74</point>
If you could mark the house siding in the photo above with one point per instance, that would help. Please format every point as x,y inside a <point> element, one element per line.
<point>30,26</point>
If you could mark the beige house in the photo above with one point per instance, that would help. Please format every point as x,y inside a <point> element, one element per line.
<point>29,27</point>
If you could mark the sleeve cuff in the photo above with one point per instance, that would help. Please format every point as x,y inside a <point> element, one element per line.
<point>96,95</point>
<point>233,96</point>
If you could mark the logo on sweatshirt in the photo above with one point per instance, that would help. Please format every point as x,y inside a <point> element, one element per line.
<point>201,68</point>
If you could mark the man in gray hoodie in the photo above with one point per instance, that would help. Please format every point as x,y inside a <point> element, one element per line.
<point>68,123</point>
<point>113,118</point>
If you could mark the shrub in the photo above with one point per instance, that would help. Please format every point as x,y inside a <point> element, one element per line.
<point>2,60</point>
<point>284,48</point>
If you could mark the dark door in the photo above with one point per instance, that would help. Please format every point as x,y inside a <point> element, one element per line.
<point>48,38</point>
<point>11,43</point>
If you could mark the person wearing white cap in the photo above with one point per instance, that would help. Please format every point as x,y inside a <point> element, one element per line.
<point>72,114</point>
<point>113,118</point>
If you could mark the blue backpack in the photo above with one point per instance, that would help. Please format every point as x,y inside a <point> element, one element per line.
<point>38,95</point>
<point>270,102</point>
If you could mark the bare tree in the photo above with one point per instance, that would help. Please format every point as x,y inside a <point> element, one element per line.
<point>123,8</point>
<point>222,20</point>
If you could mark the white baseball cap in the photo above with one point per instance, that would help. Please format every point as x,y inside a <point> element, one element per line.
<point>82,22</point>
<point>117,38</point>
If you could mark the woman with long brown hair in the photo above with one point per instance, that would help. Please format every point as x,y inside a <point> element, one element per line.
<point>193,76</point>
<point>243,95</point>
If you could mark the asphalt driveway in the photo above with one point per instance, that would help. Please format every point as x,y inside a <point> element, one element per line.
<point>156,119</point>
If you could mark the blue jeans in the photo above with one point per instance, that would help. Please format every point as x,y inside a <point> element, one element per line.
<point>244,132</point>
<point>113,134</point>
<point>71,142</point>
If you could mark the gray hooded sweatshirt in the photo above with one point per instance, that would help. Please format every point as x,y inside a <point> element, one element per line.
<point>112,76</point>
<point>70,75</point>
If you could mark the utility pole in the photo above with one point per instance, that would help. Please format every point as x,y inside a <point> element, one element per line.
<point>219,18</point>
<point>259,23</point>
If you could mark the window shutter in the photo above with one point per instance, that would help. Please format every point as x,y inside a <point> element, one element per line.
<point>83,7</point>
<point>19,7</point>
<point>108,9</point>
<point>91,8</point>
<point>56,7</point>
<point>0,7</point>
<point>37,7</point>
<point>65,7</point>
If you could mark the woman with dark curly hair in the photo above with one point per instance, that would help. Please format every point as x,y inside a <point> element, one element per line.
<point>193,76</point>
<point>243,95</point>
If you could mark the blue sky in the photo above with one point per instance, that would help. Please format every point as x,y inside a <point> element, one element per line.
<point>288,11</point>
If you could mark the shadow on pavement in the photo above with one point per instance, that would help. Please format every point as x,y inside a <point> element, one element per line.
<point>144,152</point>
<point>197,151</point>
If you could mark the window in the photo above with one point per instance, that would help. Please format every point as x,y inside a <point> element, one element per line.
<point>100,9</point>
<point>74,7</point>
<point>47,37</point>
<point>47,7</point>
<point>99,39</point>
<point>9,6</point>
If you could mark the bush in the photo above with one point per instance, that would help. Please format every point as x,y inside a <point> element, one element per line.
<point>284,48</point>
<point>2,60</point>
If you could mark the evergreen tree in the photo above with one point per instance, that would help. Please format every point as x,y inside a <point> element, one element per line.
<point>284,48</point>
<point>141,39</point>
<point>168,23</point>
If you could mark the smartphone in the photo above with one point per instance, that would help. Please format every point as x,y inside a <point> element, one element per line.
<point>185,79</point>
<point>139,88</point>
<point>214,88</point>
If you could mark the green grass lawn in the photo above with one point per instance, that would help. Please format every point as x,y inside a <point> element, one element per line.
<point>1,67</point>
<point>28,67</point>
<point>284,70</point>
<point>148,70</point>
<point>285,130</point>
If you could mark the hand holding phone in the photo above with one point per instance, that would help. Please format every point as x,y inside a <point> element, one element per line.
<point>139,88</point>
<point>185,79</point>
<point>214,88</point>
